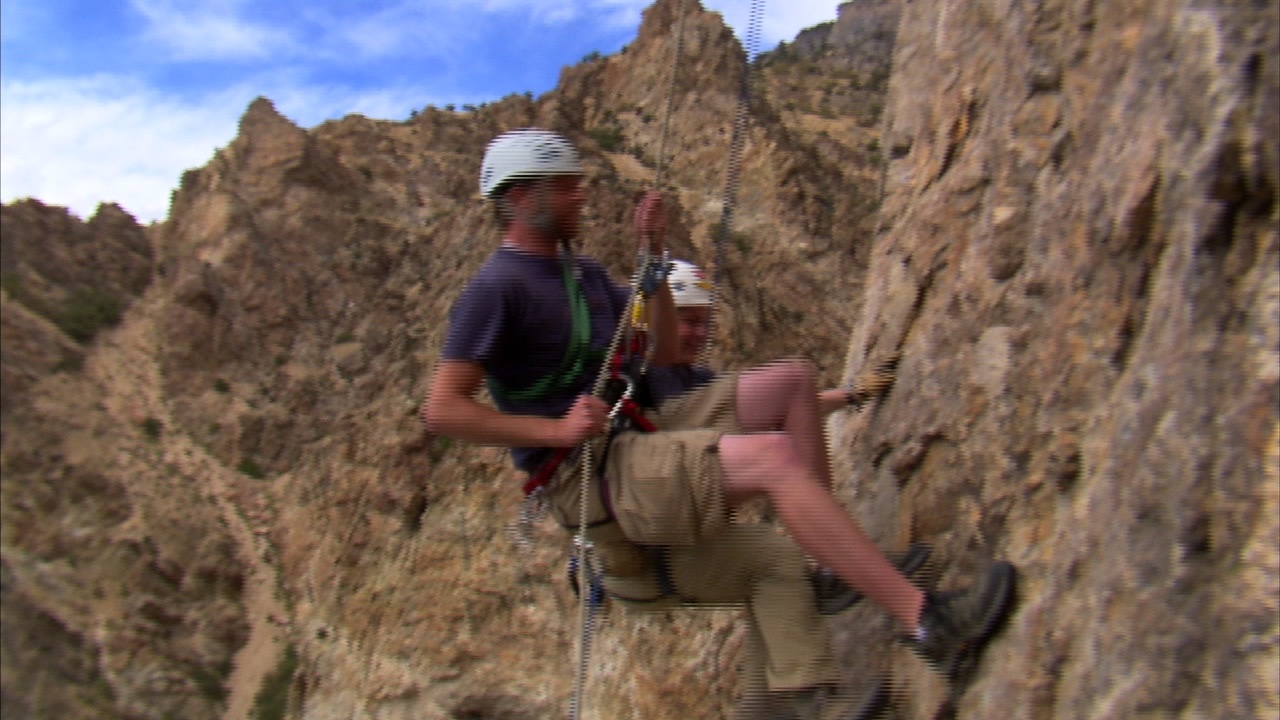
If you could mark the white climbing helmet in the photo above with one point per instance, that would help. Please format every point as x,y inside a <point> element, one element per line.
<point>526,154</point>
<point>689,285</point>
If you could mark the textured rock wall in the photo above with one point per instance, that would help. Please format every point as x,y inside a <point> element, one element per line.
<point>59,271</point>
<point>1078,260</point>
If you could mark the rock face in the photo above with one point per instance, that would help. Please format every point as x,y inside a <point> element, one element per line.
<point>1078,260</point>
<point>857,47</point>
<point>229,503</point>
<point>120,586</point>
<point>62,274</point>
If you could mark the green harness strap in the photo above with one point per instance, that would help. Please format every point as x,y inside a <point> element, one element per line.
<point>576,355</point>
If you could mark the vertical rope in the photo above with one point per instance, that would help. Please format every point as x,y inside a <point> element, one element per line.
<point>622,333</point>
<point>733,171</point>
<point>677,49</point>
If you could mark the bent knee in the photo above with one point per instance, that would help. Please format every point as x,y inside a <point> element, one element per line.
<point>760,462</point>
<point>797,372</point>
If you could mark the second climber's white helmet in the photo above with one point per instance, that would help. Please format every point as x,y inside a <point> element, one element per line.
<point>526,154</point>
<point>689,285</point>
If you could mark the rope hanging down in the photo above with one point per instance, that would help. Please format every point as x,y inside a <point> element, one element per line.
<point>733,171</point>
<point>622,338</point>
<point>641,286</point>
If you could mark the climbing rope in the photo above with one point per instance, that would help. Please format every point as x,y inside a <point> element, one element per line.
<point>641,285</point>
<point>581,545</point>
<point>622,337</point>
<point>733,172</point>
<point>677,49</point>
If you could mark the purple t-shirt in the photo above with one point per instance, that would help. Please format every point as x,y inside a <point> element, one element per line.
<point>514,319</point>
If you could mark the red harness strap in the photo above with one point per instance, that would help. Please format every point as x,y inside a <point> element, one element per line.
<point>540,477</point>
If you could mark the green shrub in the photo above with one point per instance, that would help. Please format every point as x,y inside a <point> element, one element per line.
<point>12,284</point>
<point>221,386</point>
<point>151,427</point>
<point>273,696</point>
<point>70,363</point>
<point>740,240</point>
<point>211,686</point>
<point>251,469</point>
<point>88,311</point>
<point>607,137</point>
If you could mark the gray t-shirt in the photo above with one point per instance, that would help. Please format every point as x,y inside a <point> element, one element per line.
<point>514,319</point>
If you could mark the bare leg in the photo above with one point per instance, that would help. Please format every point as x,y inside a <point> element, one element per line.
<point>771,464</point>
<point>782,395</point>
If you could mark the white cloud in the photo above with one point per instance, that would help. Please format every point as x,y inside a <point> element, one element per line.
<point>609,14</point>
<point>311,105</point>
<point>81,142</point>
<point>17,17</point>
<point>78,143</point>
<point>106,138</point>
<point>412,29</point>
<point>209,31</point>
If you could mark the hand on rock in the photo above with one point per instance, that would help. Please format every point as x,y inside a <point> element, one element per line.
<point>875,382</point>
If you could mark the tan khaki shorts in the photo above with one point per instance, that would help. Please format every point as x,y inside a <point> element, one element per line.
<point>617,555</point>
<point>666,488</point>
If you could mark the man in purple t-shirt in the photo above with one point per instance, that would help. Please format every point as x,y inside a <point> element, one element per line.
<point>534,323</point>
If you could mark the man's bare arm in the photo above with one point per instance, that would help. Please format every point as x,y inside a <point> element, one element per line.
<point>452,410</point>
<point>651,228</point>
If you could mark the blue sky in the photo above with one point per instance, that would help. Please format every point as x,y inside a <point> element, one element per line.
<point>110,100</point>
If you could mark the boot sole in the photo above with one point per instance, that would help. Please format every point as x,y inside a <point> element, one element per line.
<point>1002,595</point>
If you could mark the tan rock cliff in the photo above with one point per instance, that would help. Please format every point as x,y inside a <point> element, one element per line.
<point>1078,260</point>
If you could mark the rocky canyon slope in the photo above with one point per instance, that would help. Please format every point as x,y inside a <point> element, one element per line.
<point>218,501</point>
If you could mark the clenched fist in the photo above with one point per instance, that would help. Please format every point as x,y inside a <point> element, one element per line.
<point>586,419</point>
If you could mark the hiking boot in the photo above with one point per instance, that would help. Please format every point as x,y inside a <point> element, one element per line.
<point>834,596</point>
<point>958,625</point>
